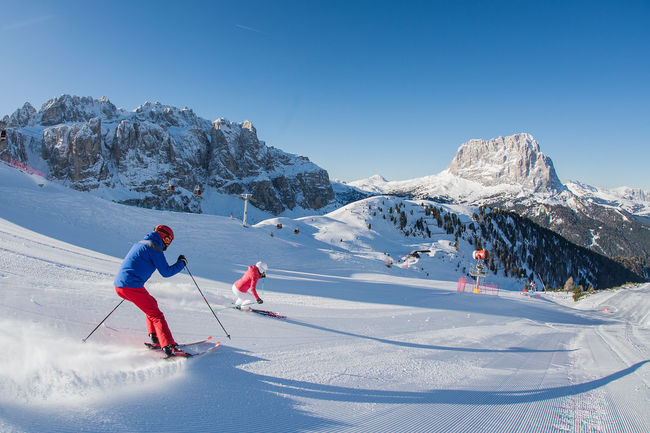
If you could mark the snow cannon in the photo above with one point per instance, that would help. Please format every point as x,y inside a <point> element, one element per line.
<point>481,254</point>
<point>478,273</point>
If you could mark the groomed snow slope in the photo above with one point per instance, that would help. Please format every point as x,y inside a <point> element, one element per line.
<point>364,347</point>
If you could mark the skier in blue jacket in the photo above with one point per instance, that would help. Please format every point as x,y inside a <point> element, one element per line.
<point>139,264</point>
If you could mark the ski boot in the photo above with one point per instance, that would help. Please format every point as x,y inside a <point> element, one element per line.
<point>155,344</point>
<point>173,350</point>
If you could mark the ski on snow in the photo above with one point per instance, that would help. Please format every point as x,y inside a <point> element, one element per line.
<point>191,349</point>
<point>268,313</point>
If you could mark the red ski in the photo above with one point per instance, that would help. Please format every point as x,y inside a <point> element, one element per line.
<point>268,313</point>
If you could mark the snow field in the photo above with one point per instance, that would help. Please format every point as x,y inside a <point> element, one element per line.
<point>364,347</point>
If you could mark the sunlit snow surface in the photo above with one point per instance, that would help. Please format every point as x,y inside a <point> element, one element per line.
<point>364,347</point>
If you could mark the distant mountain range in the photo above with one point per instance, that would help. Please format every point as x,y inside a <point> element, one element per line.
<point>157,156</point>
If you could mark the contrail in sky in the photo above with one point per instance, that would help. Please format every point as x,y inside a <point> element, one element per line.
<point>250,29</point>
<point>27,23</point>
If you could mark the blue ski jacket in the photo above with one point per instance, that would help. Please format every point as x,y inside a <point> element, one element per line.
<point>142,260</point>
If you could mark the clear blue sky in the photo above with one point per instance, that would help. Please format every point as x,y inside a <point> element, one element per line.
<point>360,87</point>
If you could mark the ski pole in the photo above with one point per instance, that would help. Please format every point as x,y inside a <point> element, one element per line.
<point>100,323</point>
<point>206,301</point>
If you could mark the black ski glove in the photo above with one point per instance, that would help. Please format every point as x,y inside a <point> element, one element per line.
<point>259,301</point>
<point>182,258</point>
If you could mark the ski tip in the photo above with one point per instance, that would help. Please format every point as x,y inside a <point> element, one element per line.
<point>209,338</point>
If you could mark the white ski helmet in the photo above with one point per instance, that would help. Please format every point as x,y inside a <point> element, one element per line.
<point>262,267</point>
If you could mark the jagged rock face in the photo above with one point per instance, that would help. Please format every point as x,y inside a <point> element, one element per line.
<point>21,117</point>
<point>17,146</point>
<point>74,153</point>
<point>67,109</point>
<point>91,145</point>
<point>514,160</point>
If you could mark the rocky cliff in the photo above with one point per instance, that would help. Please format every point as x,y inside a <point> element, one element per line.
<point>158,155</point>
<point>513,160</point>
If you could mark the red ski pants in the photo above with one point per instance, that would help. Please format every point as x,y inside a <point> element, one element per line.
<point>156,323</point>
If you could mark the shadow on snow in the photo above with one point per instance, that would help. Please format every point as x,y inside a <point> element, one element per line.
<point>425,346</point>
<point>380,292</point>
<point>216,394</point>
<point>303,389</point>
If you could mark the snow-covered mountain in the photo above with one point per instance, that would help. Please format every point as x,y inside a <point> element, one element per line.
<point>505,168</point>
<point>513,173</point>
<point>376,184</point>
<point>482,170</point>
<point>158,155</point>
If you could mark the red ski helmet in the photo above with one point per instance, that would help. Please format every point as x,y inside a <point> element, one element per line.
<point>166,234</point>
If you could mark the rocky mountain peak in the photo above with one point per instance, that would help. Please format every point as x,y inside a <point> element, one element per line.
<point>168,116</point>
<point>514,160</point>
<point>249,126</point>
<point>21,117</point>
<point>68,109</point>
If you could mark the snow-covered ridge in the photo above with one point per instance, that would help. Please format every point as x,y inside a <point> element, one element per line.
<point>374,184</point>
<point>633,200</point>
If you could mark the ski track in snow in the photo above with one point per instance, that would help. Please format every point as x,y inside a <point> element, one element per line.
<point>363,348</point>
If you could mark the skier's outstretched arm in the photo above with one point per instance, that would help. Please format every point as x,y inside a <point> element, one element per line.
<point>163,267</point>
